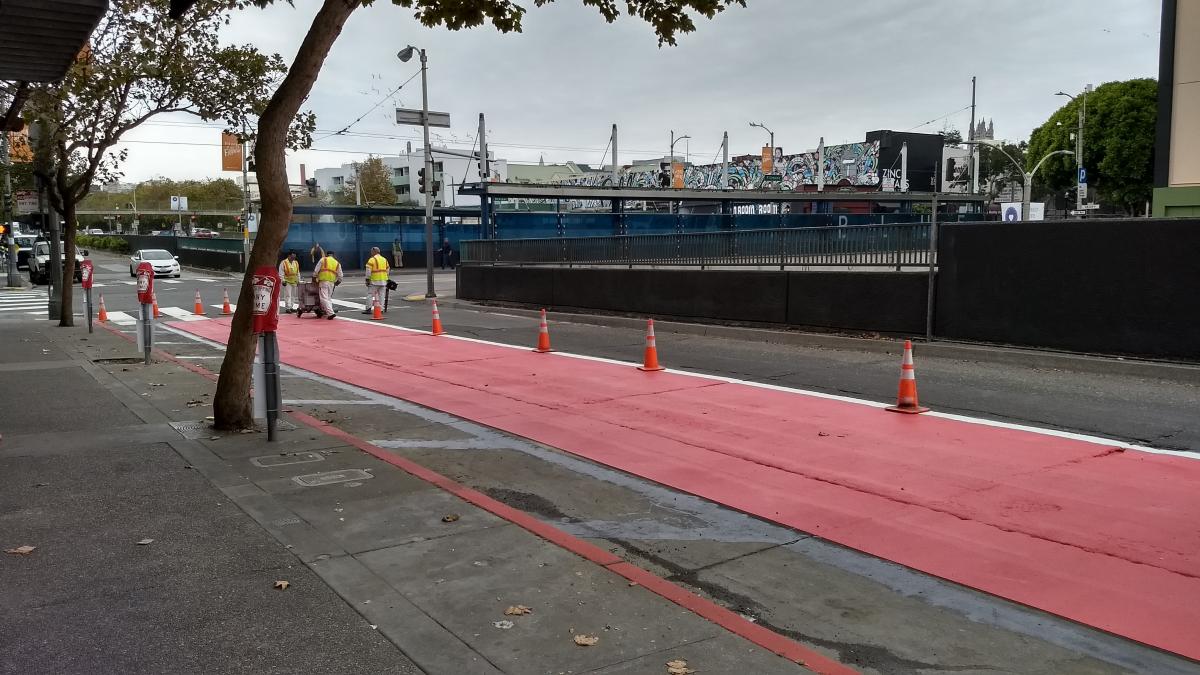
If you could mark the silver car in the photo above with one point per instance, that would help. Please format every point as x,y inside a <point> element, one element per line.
<point>165,264</point>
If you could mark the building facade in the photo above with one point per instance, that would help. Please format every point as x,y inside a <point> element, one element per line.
<point>1177,142</point>
<point>450,170</point>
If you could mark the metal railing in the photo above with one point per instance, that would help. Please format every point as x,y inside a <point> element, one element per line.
<point>903,245</point>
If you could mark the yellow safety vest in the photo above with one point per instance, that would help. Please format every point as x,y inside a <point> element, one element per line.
<point>378,267</point>
<point>291,271</point>
<point>328,271</point>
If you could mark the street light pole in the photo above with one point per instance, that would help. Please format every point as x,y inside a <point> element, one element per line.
<point>762,126</point>
<point>1079,143</point>
<point>404,55</point>
<point>1027,176</point>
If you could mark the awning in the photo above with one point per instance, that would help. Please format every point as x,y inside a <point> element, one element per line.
<point>40,38</point>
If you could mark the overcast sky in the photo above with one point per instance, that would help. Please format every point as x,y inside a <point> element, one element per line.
<point>806,68</point>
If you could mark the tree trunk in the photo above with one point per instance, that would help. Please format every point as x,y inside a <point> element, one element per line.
<point>231,405</point>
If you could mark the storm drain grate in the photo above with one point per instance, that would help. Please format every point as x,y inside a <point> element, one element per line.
<point>192,430</point>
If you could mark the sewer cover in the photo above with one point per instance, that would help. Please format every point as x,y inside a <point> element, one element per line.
<point>192,430</point>
<point>331,477</point>
<point>267,461</point>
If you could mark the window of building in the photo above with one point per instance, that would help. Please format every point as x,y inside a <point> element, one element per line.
<point>400,172</point>
<point>403,189</point>
<point>437,167</point>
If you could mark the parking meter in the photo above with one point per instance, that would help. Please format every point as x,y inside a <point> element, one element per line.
<point>265,315</point>
<point>85,277</point>
<point>145,294</point>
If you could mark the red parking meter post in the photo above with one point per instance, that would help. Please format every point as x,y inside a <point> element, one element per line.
<point>265,314</point>
<point>85,277</point>
<point>145,294</point>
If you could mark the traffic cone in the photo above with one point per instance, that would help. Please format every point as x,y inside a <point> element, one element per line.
<point>437,321</point>
<point>103,316</point>
<point>650,362</point>
<point>906,399</point>
<point>154,305</point>
<point>376,311</point>
<point>198,309</point>
<point>543,345</point>
<point>225,308</point>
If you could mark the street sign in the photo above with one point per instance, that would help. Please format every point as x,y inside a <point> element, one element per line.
<point>1091,207</point>
<point>772,178</point>
<point>252,222</point>
<point>1077,213</point>
<point>413,117</point>
<point>178,203</point>
<point>1082,190</point>
<point>1082,176</point>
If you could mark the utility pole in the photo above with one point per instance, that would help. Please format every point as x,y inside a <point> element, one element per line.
<point>485,176</point>
<point>725,161</point>
<point>1080,173</point>
<point>904,166</point>
<point>972,181</point>
<point>616,167</point>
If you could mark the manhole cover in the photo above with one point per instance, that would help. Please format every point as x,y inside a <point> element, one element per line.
<point>192,430</point>
<point>267,461</point>
<point>331,477</point>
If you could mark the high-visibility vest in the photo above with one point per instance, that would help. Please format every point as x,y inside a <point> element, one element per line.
<point>329,268</point>
<point>377,265</point>
<point>291,271</point>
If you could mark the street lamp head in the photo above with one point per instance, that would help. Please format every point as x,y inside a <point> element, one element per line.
<point>406,54</point>
<point>1062,93</point>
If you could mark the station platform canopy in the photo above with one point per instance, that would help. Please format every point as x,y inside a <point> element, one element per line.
<point>40,38</point>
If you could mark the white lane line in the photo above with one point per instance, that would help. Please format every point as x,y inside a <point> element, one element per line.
<point>121,319</point>
<point>179,313</point>
<point>17,306</point>
<point>169,281</point>
<point>1087,438</point>
<point>347,303</point>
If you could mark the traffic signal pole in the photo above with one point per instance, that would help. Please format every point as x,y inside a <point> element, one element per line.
<point>10,237</point>
<point>429,195</point>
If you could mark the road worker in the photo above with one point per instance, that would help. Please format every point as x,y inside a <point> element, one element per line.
<point>289,273</point>
<point>328,274</point>
<point>377,278</point>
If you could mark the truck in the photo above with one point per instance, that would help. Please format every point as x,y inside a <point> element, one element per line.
<point>39,262</point>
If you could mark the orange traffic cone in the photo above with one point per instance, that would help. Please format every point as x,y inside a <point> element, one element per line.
<point>154,305</point>
<point>103,316</point>
<point>906,399</point>
<point>543,336</point>
<point>651,360</point>
<point>437,321</point>
<point>376,311</point>
<point>225,308</point>
<point>198,309</point>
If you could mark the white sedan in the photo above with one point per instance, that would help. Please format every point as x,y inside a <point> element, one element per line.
<point>163,262</point>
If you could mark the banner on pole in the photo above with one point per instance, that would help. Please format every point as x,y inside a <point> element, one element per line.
<point>231,152</point>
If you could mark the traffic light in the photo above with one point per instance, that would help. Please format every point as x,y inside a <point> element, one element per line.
<point>421,180</point>
<point>311,184</point>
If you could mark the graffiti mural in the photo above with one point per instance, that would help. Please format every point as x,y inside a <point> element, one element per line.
<point>851,164</point>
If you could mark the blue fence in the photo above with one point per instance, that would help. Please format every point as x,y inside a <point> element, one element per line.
<point>353,240</point>
<point>537,225</point>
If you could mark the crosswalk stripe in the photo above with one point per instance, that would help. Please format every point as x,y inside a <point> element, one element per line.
<point>25,306</point>
<point>121,319</point>
<point>347,303</point>
<point>171,281</point>
<point>180,313</point>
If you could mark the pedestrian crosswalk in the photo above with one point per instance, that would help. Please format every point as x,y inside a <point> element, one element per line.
<point>205,280</point>
<point>22,303</point>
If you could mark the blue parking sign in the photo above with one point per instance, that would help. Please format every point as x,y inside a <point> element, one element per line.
<point>1082,175</point>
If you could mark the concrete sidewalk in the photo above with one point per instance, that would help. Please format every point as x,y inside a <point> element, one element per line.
<point>100,452</point>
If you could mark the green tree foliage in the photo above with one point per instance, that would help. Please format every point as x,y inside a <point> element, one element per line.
<point>373,178</point>
<point>1118,143</point>
<point>996,171</point>
<point>155,194</point>
<point>139,64</point>
<point>231,405</point>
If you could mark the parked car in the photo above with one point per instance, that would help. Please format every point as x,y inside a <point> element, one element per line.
<point>164,263</point>
<point>24,249</point>
<point>39,262</point>
<point>205,233</point>
<point>94,230</point>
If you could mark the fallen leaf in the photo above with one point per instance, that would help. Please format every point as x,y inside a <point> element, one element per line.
<point>450,518</point>
<point>518,610</point>
<point>145,541</point>
<point>503,625</point>
<point>822,433</point>
<point>586,640</point>
<point>282,585</point>
<point>21,550</point>
<point>678,667</point>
